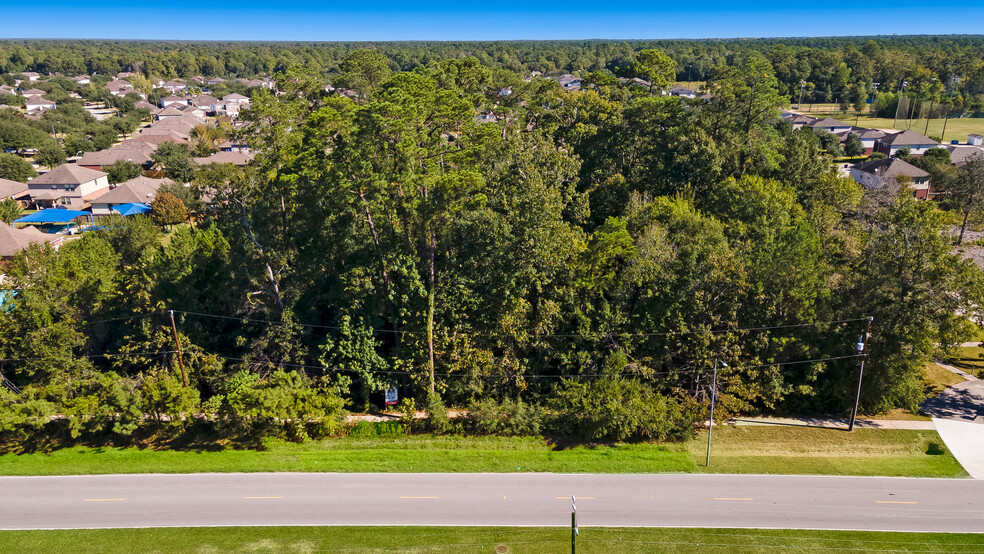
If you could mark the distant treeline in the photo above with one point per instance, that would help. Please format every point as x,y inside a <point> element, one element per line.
<point>822,69</point>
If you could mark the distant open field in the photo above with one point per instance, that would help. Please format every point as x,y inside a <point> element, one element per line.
<point>956,128</point>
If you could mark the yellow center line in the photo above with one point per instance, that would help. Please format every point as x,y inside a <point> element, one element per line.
<point>578,497</point>
<point>104,500</point>
<point>261,497</point>
<point>894,502</point>
<point>418,497</point>
<point>744,499</point>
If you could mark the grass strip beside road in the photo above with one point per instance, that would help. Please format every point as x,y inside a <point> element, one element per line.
<point>745,449</point>
<point>806,451</point>
<point>479,539</point>
<point>416,453</point>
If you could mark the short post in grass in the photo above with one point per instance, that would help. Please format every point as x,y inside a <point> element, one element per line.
<point>710,423</point>
<point>574,532</point>
<point>862,354</point>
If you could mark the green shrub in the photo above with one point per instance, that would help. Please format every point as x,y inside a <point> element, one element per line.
<point>284,404</point>
<point>615,410</point>
<point>488,417</point>
<point>437,420</point>
<point>408,413</point>
<point>376,429</point>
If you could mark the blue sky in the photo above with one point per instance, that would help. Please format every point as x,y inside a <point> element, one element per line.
<point>471,20</point>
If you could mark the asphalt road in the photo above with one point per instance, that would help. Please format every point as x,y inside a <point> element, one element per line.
<point>491,499</point>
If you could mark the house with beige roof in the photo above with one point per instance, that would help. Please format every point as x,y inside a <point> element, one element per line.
<point>239,159</point>
<point>37,103</point>
<point>139,190</point>
<point>68,185</point>
<point>139,153</point>
<point>14,240</point>
<point>13,189</point>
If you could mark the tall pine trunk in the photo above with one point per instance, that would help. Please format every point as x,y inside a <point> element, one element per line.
<point>431,249</point>
<point>963,227</point>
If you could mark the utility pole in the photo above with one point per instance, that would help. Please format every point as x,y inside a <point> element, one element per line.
<point>710,423</point>
<point>862,354</point>
<point>184,379</point>
<point>574,532</point>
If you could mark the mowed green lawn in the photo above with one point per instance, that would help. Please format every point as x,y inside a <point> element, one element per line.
<point>796,450</point>
<point>764,449</point>
<point>478,539</point>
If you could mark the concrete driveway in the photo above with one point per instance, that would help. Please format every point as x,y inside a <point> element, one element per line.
<point>958,414</point>
<point>963,401</point>
<point>966,442</point>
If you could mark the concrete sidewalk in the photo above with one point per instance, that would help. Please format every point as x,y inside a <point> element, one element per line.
<point>966,442</point>
<point>834,423</point>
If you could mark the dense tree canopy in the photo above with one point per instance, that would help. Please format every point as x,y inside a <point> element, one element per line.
<point>574,263</point>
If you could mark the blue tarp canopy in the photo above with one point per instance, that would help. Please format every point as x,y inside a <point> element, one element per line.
<point>52,215</point>
<point>133,208</point>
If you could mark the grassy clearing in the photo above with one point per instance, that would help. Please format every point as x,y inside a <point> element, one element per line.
<point>796,450</point>
<point>479,539</point>
<point>936,379</point>
<point>956,128</point>
<point>969,359</point>
<point>746,449</point>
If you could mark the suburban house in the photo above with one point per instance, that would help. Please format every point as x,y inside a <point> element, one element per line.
<point>682,92</point>
<point>960,153</point>
<point>140,190</point>
<point>82,80</point>
<point>168,100</point>
<point>37,103</point>
<point>240,159</point>
<point>119,88</point>
<point>829,124</point>
<point>868,138</point>
<point>33,92</point>
<point>876,174</point>
<point>234,99</point>
<point>68,185</point>
<point>206,102</point>
<point>14,240</point>
<point>138,153</point>
<point>917,144</point>
<point>13,189</point>
<point>174,86</point>
<point>159,136</point>
<point>31,76</point>
<point>799,120</point>
<point>170,111</point>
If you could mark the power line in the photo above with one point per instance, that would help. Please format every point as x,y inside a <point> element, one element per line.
<point>548,335</point>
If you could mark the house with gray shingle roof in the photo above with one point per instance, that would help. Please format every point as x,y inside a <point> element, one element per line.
<point>917,144</point>
<point>68,185</point>
<point>877,174</point>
